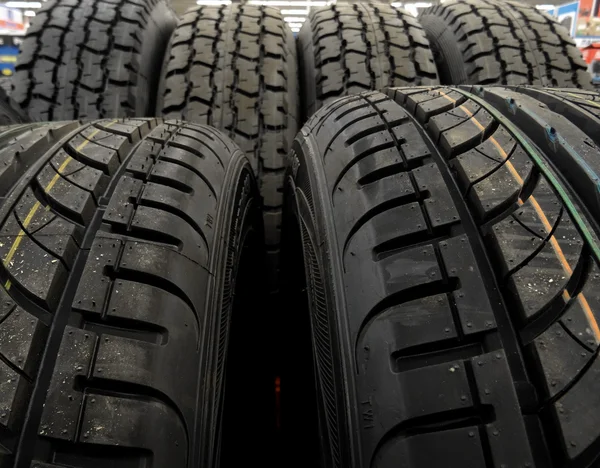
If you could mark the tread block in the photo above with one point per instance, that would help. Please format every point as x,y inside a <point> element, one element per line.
<point>540,210</point>
<point>7,305</point>
<point>453,140</point>
<point>22,336</point>
<point>186,278</point>
<point>61,239</point>
<point>502,186</point>
<point>161,214</point>
<point>76,202</point>
<point>546,274</point>
<point>561,358</point>
<point>28,142</point>
<point>94,286</point>
<point>95,155</point>
<point>201,166</point>
<point>408,325</point>
<point>418,402</point>
<point>541,279</point>
<point>104,138</point>
<point>506,434</point>
<point>168,443</point>
<point>14,391</point>
<point>179,326</point>
<point>438,205</point>
<point>396,189</point>
<point>30,267</point>
<point>515,243</point>
<point>85,177</point>
<point>417,448</point>
<point>164,172</point>
<point>151,222</point>
<point>443,122</point>
<point>382,233</point>
<point>72,363</point>
<point>474,309</point>
<point>578,425</point>
<point>407,269</point>
<point>196,206</point>
<point>582,316</point>
<point>149,358</point>
<point>474,166</point>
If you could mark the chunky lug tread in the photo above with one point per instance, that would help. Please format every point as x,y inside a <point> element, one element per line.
<point>347,49</point>
<point>234,68</point>
<point>91,59</point>
<point>490,41</point>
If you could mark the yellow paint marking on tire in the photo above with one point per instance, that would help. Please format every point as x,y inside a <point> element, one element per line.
<point>593,103</point>
<point>540,212</point>
<point>36,206</point>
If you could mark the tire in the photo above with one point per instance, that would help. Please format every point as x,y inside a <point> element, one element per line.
<point>347,49</point>
<point>91,59</point>
<point>234,68</point>
<point>488,42</point>
<point>120,242</point>
<point>453,276</point>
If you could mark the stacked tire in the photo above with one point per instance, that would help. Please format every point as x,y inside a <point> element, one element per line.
<point>91,59</point>
<point>346,49</point>
<point>423,258</point>
<point>450,241</point>
<point>498,42</point>
<point>127,245</point>
<point>234,68</point>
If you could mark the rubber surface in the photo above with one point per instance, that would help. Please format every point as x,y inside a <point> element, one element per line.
<point>119,243</point>
<point>452,261</point>
<point>234,68</point>
<point>90,59</point>
<point>347,49</point>
<point>9,111</point>
<point>490,41</point>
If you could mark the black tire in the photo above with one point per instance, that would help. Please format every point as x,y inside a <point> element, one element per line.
<point>120,243</point>
<point>234,68</point>
<point>489,41</point>
<point>347,49</point>
<point>453,276</point>
<point>91,59</point>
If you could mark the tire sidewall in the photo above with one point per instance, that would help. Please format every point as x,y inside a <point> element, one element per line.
<point>155,38</point>
<point>239,214</point>
<point>314,213</point>
<point>446,51</point>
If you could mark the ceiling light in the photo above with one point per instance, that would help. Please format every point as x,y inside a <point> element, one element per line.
<point>29,13</point>
<point>397,4</point>
<point>295,29</point>
<point>422,5</point>
<point>412,9</point>
<point>295,25</point>
<point>294,12</point>
<point>294,19</point>
<point>24,4</point>
<point>287,3</point>
<point>214,2</point>
<point>545,7</point>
